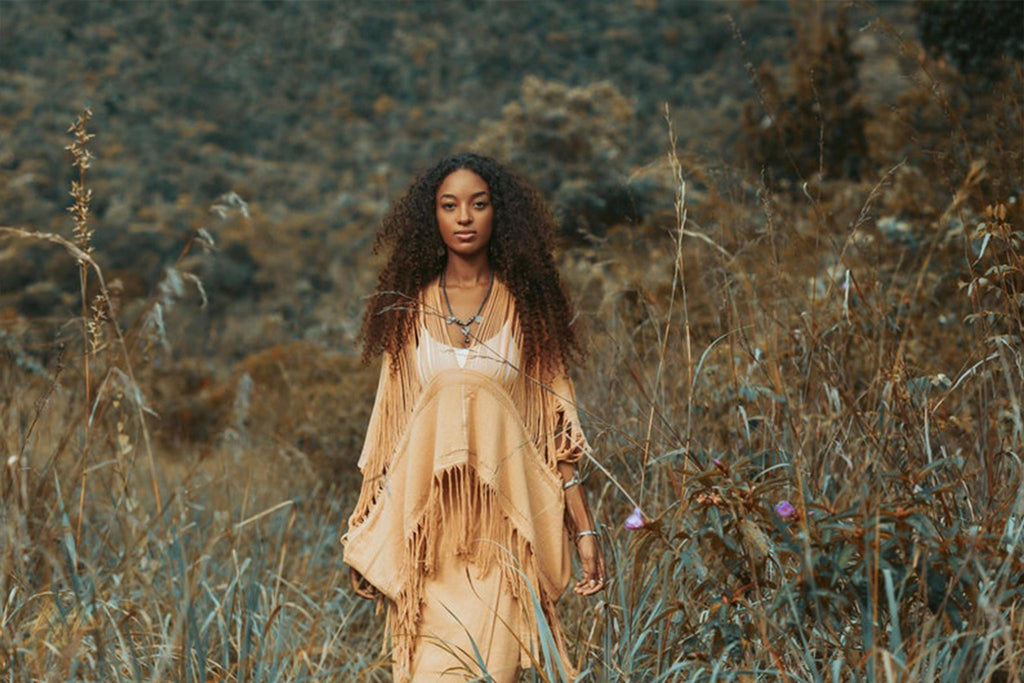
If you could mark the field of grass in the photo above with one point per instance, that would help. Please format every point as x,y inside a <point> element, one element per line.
<point>812,391</point>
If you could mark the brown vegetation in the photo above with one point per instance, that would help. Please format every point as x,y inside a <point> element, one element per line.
<point>813,395</point>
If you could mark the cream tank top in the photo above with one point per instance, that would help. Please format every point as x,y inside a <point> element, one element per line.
<point>496,357</point>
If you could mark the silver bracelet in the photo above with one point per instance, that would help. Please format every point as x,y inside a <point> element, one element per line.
<point>572,482</point>
<point>588,532</point>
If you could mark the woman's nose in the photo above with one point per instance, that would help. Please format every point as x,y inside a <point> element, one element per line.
<point>464,217</point>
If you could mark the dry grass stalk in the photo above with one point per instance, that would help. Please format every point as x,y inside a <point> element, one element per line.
<point>896,556</point>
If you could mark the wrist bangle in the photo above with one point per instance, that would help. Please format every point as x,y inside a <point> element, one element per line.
<point>588,532</point>
<point>572,482</point>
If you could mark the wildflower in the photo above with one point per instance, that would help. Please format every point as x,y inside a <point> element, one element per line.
<point>636,520</point>
<point>710,498</point>
<point>785,509</point>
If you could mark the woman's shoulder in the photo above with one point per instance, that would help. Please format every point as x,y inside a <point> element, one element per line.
<point>433,283</point>
<point>428,290</point>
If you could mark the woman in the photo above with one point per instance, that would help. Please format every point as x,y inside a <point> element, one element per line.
<point>470,491</point>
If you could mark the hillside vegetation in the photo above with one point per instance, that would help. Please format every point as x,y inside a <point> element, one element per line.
<point>793,232</point>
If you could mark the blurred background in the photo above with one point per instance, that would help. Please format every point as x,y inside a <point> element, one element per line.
<point>284,129</point>
<point>318,114</point>
<point>852,174</point>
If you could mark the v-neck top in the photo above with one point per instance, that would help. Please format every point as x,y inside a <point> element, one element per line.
<point>492,351</point>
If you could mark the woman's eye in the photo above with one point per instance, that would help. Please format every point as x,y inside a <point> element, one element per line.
<point>481,205</point>
<point>448,206</point>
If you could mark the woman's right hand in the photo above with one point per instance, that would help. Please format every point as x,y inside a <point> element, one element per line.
<point>361,586</point>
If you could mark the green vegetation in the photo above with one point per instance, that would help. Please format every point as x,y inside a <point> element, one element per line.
<point>808,375</point>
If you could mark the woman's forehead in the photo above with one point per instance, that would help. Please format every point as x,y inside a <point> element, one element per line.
<point>462,182</point>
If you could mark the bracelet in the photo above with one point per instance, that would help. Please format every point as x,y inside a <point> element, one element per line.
<point>588,532</point>
<point>572,482</point>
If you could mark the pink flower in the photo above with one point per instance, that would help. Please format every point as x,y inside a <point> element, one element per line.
<point>785,509</point>
<point>636,520</point>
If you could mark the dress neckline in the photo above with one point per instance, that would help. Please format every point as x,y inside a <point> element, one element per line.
<point>473,342</point>
<point>485,312</point>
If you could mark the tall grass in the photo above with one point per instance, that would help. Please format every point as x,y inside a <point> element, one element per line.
<point>821,424</point>
<point>830,504</point>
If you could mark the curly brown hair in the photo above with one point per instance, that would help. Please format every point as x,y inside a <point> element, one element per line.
<point>519,253</point>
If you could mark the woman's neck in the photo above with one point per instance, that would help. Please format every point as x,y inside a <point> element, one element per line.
<point>467,272</point>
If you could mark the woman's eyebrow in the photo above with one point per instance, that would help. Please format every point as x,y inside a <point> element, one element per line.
<point>472,196</point>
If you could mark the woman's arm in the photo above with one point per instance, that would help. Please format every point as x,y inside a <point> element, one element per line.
<point>577,512</point>
<point>581,527</point>
<point>570,447</point>
<point>376,449</point>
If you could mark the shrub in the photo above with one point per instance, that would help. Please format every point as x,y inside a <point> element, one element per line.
<point>571,142</point>
<point>977,36</point>
<point>815,127</point>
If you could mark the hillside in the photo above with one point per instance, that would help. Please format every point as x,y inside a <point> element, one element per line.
<point>791,230</point>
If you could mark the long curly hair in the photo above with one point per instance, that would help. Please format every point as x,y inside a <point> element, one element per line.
<point>519,253</point>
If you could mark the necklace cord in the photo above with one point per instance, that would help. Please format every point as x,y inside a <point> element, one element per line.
<point>464,325</point>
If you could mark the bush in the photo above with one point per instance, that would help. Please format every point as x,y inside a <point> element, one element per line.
<point>977,36</point>
<point>814,129</point>
<point>571,143</point>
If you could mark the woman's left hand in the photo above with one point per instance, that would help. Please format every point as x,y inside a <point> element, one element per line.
<point>592,560</point>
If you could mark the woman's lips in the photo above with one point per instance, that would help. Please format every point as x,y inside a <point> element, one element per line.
<point>466,236</point>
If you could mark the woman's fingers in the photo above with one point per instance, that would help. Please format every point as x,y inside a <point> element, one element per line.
<point>588,586</point>
<point>365,591</point>
<point>361,586</point>
<point>356,579</point>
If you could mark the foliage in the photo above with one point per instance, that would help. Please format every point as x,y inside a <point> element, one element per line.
<point>975,35</point>
<point>814,398</point>
<point>571,142</point>
<point>814,128</point>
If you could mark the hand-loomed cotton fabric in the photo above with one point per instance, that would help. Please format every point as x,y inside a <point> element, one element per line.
<point>460,519</point>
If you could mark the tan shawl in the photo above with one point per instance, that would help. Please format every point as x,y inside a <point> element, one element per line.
<point>464,461</point>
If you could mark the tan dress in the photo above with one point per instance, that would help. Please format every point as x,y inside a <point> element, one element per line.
<point>460,520</point>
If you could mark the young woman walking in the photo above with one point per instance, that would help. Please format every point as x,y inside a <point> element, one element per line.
<point>471,498</point>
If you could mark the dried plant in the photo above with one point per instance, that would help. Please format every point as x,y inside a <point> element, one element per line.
<point>82,230</point>
<point>82,158</point>
<point>815,423</point>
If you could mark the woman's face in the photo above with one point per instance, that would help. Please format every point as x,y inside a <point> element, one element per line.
<point>464,212</point>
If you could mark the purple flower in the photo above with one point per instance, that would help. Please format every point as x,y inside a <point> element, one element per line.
<point>785,509</point>
<point>716,462</point>
<point>636,520</point>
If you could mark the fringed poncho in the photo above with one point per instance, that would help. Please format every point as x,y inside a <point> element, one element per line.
<point>460,458</point>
